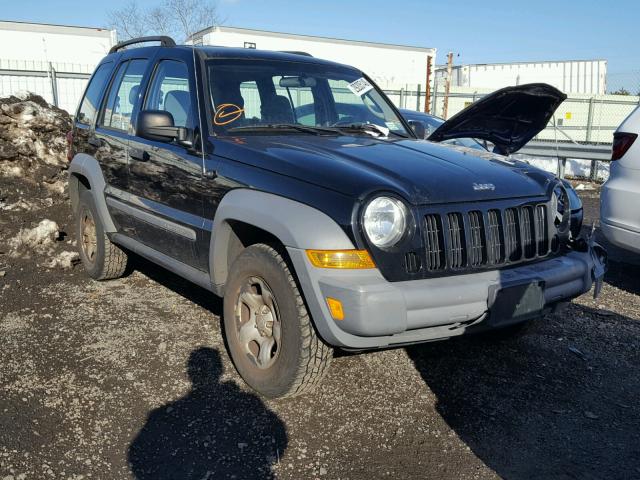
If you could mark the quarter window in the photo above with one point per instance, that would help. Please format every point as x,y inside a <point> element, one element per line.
<point>91,101</point>
<point>123,95</point>
<point>170,92</point>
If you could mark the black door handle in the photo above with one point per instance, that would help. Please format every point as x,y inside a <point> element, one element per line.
<point>96,142</point>
<point>139,154</point>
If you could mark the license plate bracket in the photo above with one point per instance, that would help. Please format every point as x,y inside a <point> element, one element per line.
<point>517,303</point>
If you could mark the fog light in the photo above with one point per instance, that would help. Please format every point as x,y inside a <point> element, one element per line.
<point>340,259</point>
<point>335,308</point>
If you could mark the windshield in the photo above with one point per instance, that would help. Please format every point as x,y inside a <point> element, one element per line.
<point>269,97</point>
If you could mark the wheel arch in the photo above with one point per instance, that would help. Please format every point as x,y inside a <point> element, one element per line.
<point>85,170</point>
<point>245,217</point>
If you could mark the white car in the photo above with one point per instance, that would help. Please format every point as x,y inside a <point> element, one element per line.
<point>620,197</point>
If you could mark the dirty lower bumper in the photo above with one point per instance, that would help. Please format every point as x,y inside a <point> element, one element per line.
<point>379,313</point>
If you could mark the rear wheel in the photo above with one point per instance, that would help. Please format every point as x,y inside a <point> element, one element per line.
<point>102,259</point>
<point>268,330</point>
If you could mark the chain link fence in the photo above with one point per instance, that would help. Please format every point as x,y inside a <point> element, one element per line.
<point>60,84</point>
<point>581,118</point>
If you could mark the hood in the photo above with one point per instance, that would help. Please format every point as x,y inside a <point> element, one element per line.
<point>508,118</point>
<point>421,171</point>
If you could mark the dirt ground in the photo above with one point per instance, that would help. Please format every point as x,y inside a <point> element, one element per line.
<point>130,379</point>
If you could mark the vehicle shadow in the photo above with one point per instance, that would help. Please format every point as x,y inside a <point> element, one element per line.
<point>216,431</point>
<point>175,283</point>
<point>623,276</point>
<point>558,402</point>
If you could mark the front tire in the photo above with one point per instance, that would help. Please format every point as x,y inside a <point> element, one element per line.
<point>102,259</point>
<point>269,332</point>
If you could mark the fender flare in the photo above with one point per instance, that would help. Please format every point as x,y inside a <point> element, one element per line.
<point>295,224</point>
<point>86,166</point>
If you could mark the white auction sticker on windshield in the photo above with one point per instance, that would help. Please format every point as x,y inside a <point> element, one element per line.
<point>360,86</point>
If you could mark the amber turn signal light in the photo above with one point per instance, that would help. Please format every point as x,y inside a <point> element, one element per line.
<point>335,308</point>
<point>345,259</point>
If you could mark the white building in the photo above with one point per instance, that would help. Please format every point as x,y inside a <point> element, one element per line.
<point>570,76</point>
<point>390,66</point>
<point>54,61</point>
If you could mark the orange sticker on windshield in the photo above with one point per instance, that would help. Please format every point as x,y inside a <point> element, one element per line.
<point>227,113</point>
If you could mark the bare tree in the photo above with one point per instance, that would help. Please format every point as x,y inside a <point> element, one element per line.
<point>176,18</point>
<point>128,21</point>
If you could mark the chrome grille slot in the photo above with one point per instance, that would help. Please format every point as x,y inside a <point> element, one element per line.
<point>511,235</point>
<point>542,230</point>
<point>477,252</point>
<point>528,232</point>
<point>457,246</point>
<point>495,248</point>
<point>434,243</point>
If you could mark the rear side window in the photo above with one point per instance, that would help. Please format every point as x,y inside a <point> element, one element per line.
<point>123,95</point>
<point>91,101</point>
<point>170,92</point>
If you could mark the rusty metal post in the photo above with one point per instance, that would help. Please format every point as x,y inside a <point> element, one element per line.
<point>427,88</point>
<point>447,86</point>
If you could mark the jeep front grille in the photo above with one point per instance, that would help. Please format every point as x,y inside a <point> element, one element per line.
<point>490,238</point>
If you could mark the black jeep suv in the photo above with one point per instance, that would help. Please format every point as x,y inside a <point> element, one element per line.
<point>321,227</point>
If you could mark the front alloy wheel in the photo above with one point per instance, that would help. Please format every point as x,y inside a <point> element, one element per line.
<point>258,323</point>
<point>88,236</point>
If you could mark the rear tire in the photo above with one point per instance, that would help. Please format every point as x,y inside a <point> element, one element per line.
<point>269,332</point>
<point>102,259</point>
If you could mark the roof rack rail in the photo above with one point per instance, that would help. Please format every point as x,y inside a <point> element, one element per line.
<point>306,54</point>
<point>164,41</point>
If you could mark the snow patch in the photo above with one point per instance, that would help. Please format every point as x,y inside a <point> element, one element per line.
<point>574,168</point>
<point>37,238</point>
<point>64,260</point>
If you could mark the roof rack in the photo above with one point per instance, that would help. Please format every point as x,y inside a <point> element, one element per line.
<point>306,54</point>
<point>164,41</point>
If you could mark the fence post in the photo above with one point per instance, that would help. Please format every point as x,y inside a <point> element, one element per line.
<point>427,88</point>
<point>435,97</point>
<point>401,98</point>
<point>593,172</point>
<point>562,164</point>
<point>590,120</point>
<point>447,86</point>
<point>54,84</point>
<point>418,99</point>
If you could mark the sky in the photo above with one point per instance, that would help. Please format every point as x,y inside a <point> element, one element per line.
<point>477,32</point>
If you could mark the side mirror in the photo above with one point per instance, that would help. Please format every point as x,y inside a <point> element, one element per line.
<point>158,125</point>
<point>418,128</point>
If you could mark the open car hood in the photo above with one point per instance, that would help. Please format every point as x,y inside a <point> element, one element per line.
<point>508,118</point>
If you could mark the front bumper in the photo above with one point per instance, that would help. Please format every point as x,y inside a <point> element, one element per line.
<point>379,313</point>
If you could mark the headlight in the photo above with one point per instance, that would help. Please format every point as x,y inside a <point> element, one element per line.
<point>561,209</point>
<point>385,221</point>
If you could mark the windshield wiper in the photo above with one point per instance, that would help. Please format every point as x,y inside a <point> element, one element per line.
<point>290,126</point>
<point>371,128</point>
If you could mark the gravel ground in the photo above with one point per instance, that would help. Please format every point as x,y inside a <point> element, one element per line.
<point>131,379</point>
